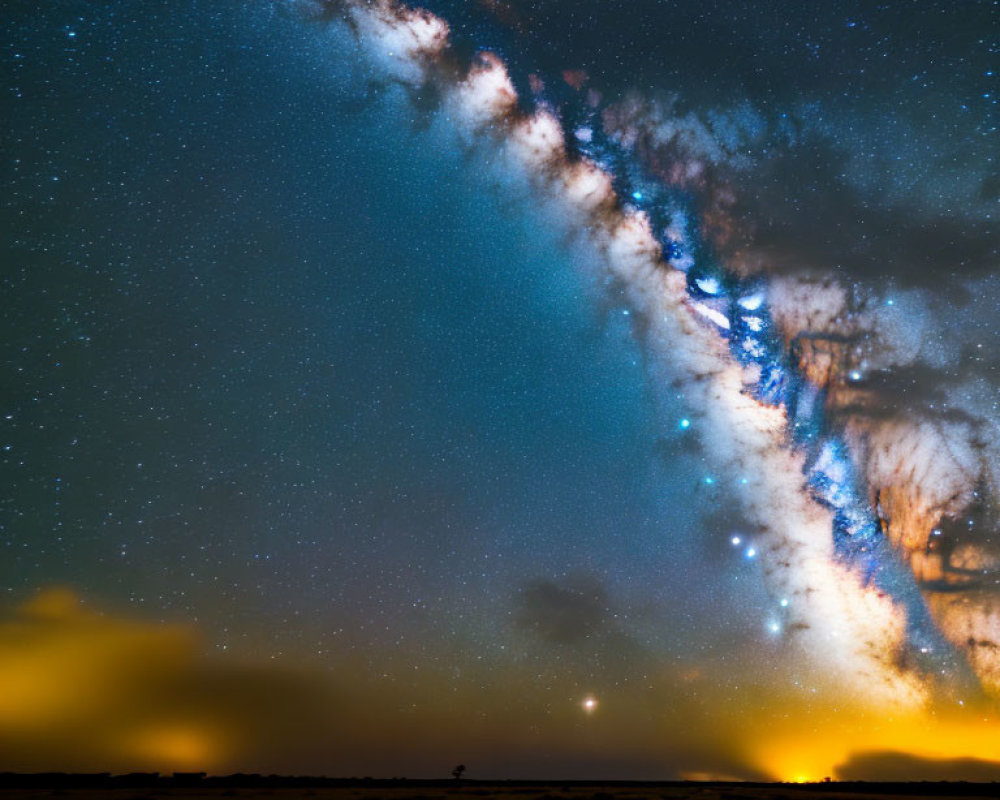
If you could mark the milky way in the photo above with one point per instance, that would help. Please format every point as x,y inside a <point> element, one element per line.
<point>784,367</point>
<point>598,389</point>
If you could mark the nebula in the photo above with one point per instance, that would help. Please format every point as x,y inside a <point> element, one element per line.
<point>875,519</point>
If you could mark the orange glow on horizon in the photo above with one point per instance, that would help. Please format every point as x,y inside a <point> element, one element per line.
<point>175,748</point>
<point>797,755</point>
<point>95,691</point>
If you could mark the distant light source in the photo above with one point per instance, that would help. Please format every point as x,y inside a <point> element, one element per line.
<point>589,704</point>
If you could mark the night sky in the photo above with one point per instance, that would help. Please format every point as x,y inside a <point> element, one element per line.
<point>338,437</point>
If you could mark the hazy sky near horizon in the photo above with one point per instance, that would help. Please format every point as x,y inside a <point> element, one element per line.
<point>330,446</point>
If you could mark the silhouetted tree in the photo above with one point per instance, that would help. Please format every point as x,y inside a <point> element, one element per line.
<point>458,772</point>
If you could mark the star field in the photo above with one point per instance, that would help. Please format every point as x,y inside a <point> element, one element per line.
<point>306,395</point>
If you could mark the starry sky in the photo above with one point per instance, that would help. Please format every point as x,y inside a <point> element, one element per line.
<point>331,444</point>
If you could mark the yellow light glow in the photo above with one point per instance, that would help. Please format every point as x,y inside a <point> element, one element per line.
<point>175,748</point>
<point>811,755</point>
<point>60,662</point>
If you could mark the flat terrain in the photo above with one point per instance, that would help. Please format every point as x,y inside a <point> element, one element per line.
<point>501,791</point>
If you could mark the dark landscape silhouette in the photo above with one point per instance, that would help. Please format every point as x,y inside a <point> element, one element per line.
<point>149,785</point>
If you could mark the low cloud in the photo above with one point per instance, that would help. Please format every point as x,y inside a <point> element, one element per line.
<point>92,691</point>
<point>894,766</point>
<point>84,690</point>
